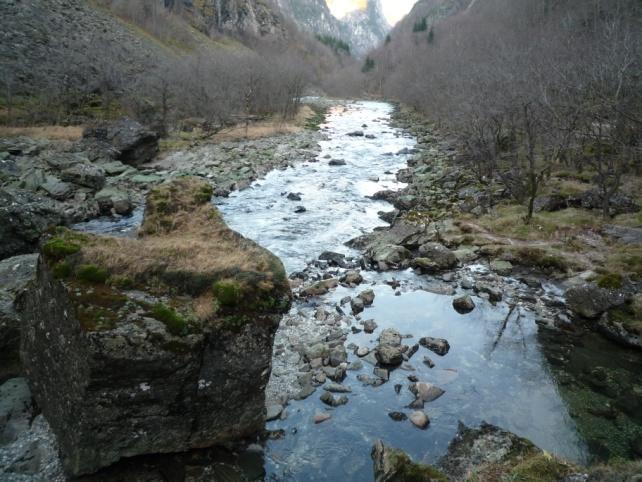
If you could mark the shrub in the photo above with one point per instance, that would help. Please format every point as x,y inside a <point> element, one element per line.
<point>92,273</point>
<point>227,292</point>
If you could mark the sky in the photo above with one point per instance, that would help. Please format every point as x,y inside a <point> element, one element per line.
<point>394,10</point>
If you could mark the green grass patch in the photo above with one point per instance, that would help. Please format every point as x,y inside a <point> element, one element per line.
<point>227,292</point>
<point>62,270</point>
<point>612,281</point>
<point>59,248</point>
<point>175,323</point>
<point>90,273</point>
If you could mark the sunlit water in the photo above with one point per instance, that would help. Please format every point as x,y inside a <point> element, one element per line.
<point>502,379</point>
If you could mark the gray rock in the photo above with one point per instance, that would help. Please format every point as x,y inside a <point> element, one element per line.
<point>111,198</point>
<point>135,144</point>
<point>435,257</point>
<point>352,278</point>
<point>367,296</point>
<point>357,305</point>
<point>463,304</point>
<point>15,274</point>
<point>333,401</point>
<point>369,326</point>
<point>321,417</point>
<point>56,188</point>
<point>590,301</point>
<point>338,356</point>
<point>493,292</point>
<point>437,345</point>
<point>356,134</point>
<point>426,391</point>
<point>382,373</point>
<point>419,419</point>
<point>391,255</point>
<point>623,234</point>
<point>337,388</point>
<point>87,175</point>
<point>337,162</point>
<point>398,416</point>
<point>273,412</point>
<point>389,351</point>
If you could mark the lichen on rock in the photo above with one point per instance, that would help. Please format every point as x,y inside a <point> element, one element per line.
<point>128,344</point>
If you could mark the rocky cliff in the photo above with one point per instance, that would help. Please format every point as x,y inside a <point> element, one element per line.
<point>363,30</point>
<point>157,344</point>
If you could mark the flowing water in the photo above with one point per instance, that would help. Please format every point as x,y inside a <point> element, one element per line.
<point>490,374</point>
<point>504,381</point>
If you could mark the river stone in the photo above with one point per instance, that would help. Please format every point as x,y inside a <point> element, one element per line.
<point>398,416</point>
<point>362,351</point>
<point>337,388</point>
<point>333,259</point>
<point>502,268</point>
<point>294,196</point>
<point>322,417</point>
<point>369,326</point>
<point>273,412</point>
<point>111,198</point>
<point>356,134</point>
<point>494,293</point>
<point>426,391</point>
<point>87,175</point>
<point>389,350</point>
<point>15,274</point>
<point>463,304</point>
<point>333,401</point>
<point>337,162</point>
<point>437,345</point>
<point>320,288</point>
<point>439,257</point>
<point>367,296</point>
<point>352,278</point>
<point>419,419</point>
<point>390,254</point>
<point>338,356</point>
<point>357,305</point>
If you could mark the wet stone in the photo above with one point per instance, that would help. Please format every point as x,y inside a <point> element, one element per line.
<point>437,345</point>
<point>398,416</point>
<point>333,401</point>
<point>419,419</point>
<point>369,326</point>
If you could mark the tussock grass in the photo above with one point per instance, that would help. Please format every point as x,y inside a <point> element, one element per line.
<point>64,133</point>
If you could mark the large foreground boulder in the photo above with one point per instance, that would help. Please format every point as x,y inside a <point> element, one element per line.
<point>15,273</point>
<point>152,345</point>
<point>134,144</point>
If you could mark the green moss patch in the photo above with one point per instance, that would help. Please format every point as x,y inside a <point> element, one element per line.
<point>227,292</point>
<point>540,467</point>
<point>175,323</point>
<point>59,248</point>
<point>408,471</point>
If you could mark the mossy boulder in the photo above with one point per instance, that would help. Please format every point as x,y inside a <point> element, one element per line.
<point>161,343</point>
<point>393,465</point>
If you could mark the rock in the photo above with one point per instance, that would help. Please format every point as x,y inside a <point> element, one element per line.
<point>114,168</point>
<point>619,203</point>
<point>426,391</point>
<point>15,274</point>
<point>371,381</point>
<point>502,268</point>
<point>110,198</point>
<point>494,293</point>
<point>134,144</point>
<point>300,209</point>
<point>273,412</point>
<point>131,374</point>
<point>337,388</point>
<point>87,175</point>
<point>428,362</point>
<point>56,188</point>
<point>398,416</point>
<point>370,136</point>
<point>390,255</point>
<point>369,326</point>
<point>294,196</point>
<point>333,401</point>
<point>590,301</point>
<point>437,345</point>
<point>318,351</point>
<point>333,259</point>
<point>352,278</point>
<point>320,288</point>
<point>419,419</point>
<point>322,417</point>
<point>389,351</point>
<point>393,465</point>
<point>382,373</point>
<point>338,356</point>
<point>24,216</point>
<point>362,351</point>
<point>357,305</point>
<point>337,162</point>
<point>367,296</point>
<point>550,203</point>
<point>463,304</point>
<point>435,257</point>
<point>623,234</point>
<point>356,134</point>
<point>16,409</point>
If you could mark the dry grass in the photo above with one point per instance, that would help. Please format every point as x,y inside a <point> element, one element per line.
<point>265,128</point>
<point>64,133</point>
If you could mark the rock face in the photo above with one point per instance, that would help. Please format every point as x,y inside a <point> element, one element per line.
<point>590,301</point>
<point>135,144</point>
<point>15,273</point>
<point>129,350</point>
<point>24,215</point>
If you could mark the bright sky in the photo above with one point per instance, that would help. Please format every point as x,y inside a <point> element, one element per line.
<point>394,10</point>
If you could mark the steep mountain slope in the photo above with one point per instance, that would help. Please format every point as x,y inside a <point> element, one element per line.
<point>363,30</point>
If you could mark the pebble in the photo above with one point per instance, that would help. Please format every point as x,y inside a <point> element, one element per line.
<point>419,419</point>
<point>322,417</point>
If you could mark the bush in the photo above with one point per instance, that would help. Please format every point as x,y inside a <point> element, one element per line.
<point>92,274</point>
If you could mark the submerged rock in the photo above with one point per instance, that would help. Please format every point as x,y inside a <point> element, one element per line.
<point>437,345</point>
<point>389,350</point>
<point>135,370</point>
<point>419,419</point>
